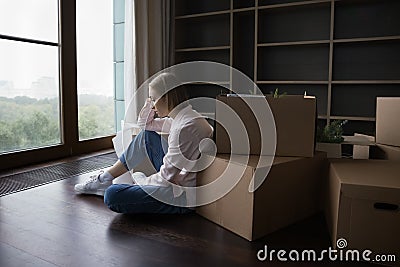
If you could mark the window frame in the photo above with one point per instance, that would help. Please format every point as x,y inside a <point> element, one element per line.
<point>70,144</point>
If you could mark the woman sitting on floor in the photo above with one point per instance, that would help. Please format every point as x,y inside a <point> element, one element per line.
<point>186,129</point>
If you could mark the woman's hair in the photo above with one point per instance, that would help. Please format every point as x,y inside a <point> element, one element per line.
<point>166,81</point>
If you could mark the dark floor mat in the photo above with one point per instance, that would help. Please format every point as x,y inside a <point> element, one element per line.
<point>26,180</point>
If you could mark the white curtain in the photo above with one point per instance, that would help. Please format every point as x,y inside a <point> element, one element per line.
<point>148,49</point>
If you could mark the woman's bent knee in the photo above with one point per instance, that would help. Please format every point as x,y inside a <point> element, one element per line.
<point>110,196</point>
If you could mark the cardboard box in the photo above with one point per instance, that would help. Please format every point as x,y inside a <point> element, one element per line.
<point>294,116</point>
<point>290,192</point>
<point>362,204</point>
<point>387,121</point>
<point>390,152</point>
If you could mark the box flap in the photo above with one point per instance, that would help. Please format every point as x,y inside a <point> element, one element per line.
<point>368,179</point>
<point>252,160</point>
<point>264,160</point>
<point>390,152</point>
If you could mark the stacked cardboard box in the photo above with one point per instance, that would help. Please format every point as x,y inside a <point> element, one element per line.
<point>386,144</point>
<point>388,126</point>
<point>294,119</point>
<point>362,205</point>
<point>363,196</point>
<point>387,121</point>
<point>291,190</point>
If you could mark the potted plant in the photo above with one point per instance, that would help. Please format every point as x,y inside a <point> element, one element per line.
<point>276,94</point>
<point>329,138</point>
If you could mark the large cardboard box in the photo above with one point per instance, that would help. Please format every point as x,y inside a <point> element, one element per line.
<point>387,121</point>
<point>295,119</point>
<point>290,192</point>
<point>362,204</point>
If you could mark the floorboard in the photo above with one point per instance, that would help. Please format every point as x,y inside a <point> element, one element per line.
<point>52,226</point>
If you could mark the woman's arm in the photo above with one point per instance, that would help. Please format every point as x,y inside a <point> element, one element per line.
<point>146,120</point>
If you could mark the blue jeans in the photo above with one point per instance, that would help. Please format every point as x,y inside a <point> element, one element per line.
<point>133,199</point>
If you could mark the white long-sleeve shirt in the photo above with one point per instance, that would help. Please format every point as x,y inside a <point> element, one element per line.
<point>186,131</point>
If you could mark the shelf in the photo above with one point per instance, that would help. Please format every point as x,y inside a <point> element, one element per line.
<point>238,10</point>
<point>237,4</point>
<point>285,63</point>
<point>352,118</point>
<point>202,33</point>
<point>243,40</point>
<point>370,39</point>
<point>185,7</point>
<point>210,48</point>
<point>206,14</point>
<point>294,43</point>
<point>379,18</point>
<point>367,61</point>
<point>212,83</point>
<point>269,4</point>
<point>277,25</point>
<point>215,55</point>
<point>359,126</point>
<point>220,56</point>
<point>346,53</point>
<point>292,82</point>
<point>359,99</point>
<point>368,82</point>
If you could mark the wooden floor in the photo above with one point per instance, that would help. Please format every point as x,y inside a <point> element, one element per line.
<point>51,226</point>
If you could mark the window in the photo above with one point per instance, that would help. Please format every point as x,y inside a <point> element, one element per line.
<point>95,68</point>
<point>53,54</point>
<point>29,75</point>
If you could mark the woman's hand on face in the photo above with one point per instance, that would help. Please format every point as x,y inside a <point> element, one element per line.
<point>149,102</point>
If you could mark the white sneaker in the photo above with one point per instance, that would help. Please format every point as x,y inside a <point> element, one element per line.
<point>93,186</point>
